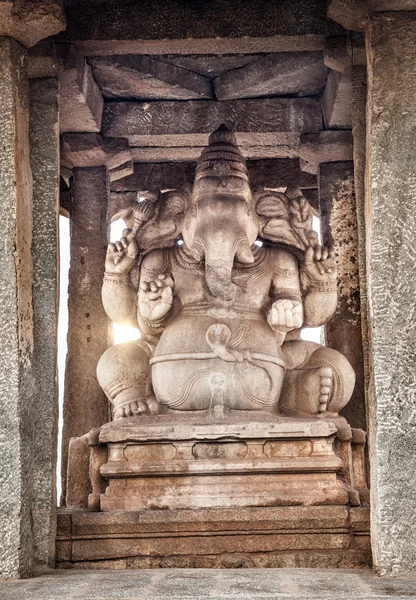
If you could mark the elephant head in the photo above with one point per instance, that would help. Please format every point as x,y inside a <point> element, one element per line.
<point>221,225</point>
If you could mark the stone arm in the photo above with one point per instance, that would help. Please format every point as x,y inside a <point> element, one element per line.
<point>155,297</point>
<point>286,313</point>
<point>118,293</point>
<point>320,272</point>
<point>119,299</point>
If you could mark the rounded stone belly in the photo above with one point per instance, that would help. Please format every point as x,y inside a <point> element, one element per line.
<point>188,373</point>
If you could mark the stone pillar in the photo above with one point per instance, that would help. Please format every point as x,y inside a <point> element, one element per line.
<point>339,230</point>
<point>21,470</point>
<point>44,158</point>
<point>359,85</point>
<point>85,404</point>
<point>391,260</point>
<point>94,161</point>
<point>16,316</point>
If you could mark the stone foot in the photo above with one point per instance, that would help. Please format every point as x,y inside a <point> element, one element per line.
<point>315,386</point>
<point>326,384</point>
<point>128,404</point>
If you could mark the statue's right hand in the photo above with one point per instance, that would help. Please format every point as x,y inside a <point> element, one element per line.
<point>121,256</point>
<point>155,298</point>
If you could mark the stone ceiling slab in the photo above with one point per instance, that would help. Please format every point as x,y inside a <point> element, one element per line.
<point>140,120</point>
<point>144,77</point>
<point>280,74</point>
<point>128,19</point>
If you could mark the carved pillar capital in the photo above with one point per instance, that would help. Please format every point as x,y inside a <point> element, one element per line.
<point>84,150</point>
<point>29,21</point>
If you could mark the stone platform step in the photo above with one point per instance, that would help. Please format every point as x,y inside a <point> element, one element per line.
<point>210,584</point>
<point>284,536</point>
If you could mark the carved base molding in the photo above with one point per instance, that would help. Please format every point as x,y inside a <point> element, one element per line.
<point>221,464</point>
<point>289,536</point>
<point>254,489</point>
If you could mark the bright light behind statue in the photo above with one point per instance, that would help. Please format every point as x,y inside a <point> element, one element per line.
<point>121,333</point>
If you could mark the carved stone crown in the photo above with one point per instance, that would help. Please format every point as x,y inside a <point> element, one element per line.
<point>221,167</point>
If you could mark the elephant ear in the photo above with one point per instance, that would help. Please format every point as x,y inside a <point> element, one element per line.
<point>165,229</point>
<point>155,218</point>
<point>286,218</point>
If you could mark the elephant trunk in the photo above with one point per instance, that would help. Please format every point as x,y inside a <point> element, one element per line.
<point>219,254</point>
<point>218,274</point>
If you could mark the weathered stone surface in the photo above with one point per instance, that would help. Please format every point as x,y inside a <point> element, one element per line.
<point>78,480</point>
<point>279,74</point>
<point>30,22</point>
<point>391,230</point>
<point>144,77</point>
<point>324,147</point>
<point>159,121</point>
<point>16,317</point>
<point>44,158</point>
<point>81,103</point>
<point>85,405</point>
<point>337,100</point>
<point>162,19</point>
<point>339,230</point>
<point>271,173</point>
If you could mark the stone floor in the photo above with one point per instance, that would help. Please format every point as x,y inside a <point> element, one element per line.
<point>203,584</point>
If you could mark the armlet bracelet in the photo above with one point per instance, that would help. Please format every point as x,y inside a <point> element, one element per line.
<point>322,286</point>
<point>117,278</point>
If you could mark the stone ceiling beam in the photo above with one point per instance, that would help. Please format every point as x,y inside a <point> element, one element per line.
<point>337,54</point>
<point>81,103</point>
<point>168,123</point>
<point>337,100</point>
<point>324,147</point>
<point>271,173</point>
<point>144,77</point>
<point>353,14</point>
<point>42,60</point>
<point>29,22</point>
<point>295,73</point>
<point>86,150</point>
<point>277,148</point>
<point>189,46</point>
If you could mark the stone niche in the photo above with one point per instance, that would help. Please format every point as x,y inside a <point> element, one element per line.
<point>226,445</point>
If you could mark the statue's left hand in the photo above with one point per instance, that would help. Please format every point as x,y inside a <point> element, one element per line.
<point>319,264</point>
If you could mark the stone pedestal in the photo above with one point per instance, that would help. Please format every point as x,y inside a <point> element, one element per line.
<point>176,465</point>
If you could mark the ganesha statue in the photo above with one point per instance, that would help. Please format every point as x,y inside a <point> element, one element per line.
<point>220,280</point>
